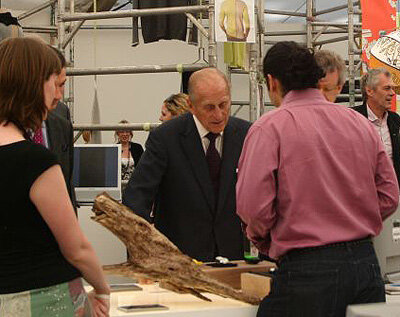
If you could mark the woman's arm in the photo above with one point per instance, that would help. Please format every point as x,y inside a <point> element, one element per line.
<point>50,196</point>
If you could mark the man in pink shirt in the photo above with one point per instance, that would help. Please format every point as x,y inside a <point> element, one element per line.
<point>314,184</point>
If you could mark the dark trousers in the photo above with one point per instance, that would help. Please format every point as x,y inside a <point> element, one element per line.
<point>323,281</point>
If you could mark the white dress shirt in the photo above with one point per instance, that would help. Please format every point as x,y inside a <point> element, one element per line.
<point>382,128</point>
<point>204,140</point>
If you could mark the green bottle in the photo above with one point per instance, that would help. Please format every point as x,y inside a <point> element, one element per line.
<point>250,252</point>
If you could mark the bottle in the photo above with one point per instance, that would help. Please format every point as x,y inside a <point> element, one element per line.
<point>250,252</point>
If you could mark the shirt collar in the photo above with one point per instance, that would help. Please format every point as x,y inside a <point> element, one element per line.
<point>297,97</point>
<point>31,132</point>
<point>373,118</point>
<point>202,130</point>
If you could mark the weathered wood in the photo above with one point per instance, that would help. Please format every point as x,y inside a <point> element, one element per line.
<point>152,255</point>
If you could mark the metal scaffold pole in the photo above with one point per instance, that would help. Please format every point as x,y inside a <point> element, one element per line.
<point>309,26</point>
<point>256,54</point>
<point>132,13</point>
<point>135,69</point>
<point>351,69</point>
<point>212,45</point>
<point>71,98</point>
<point>261,32</point>
<point>253,115</point>
<point>36,9</point>
<point>113,127</point>
<point>61,24</point>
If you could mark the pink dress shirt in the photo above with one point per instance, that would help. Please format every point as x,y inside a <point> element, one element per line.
<point>313,173</point>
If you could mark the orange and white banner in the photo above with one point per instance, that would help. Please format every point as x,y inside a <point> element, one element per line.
<point>378,18</point>
<point>380,41</point>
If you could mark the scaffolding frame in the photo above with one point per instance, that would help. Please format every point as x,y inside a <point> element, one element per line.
<point>315,28</point>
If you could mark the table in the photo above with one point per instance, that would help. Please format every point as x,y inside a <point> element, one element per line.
<point>179,304</point>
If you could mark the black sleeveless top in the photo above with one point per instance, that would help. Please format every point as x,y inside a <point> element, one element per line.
<point>29,254</point>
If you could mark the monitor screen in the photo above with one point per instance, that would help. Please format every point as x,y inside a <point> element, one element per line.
<point>387,248</point>
<point>97,168</point>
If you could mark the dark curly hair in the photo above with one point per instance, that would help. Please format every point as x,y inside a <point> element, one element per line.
<point>293,65</point>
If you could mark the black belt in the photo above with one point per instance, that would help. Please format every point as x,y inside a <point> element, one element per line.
<point>351,243</point>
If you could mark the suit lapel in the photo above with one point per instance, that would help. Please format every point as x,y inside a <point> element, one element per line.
<point>394,133</point>
<point>363,110</point>
<point>50,130</point>
<point>53,133</point>
<point>193,149</point>
<point>230,152</point>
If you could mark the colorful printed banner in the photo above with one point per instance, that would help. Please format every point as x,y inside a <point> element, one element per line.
<point>380,18</point>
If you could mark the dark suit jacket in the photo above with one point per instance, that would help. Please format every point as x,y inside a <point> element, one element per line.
<point>393,121</point>
<point>136,152</point>
<point>166,27</point>
<point>174,167</point>
<point>62,110</point>
<point>60,133</point>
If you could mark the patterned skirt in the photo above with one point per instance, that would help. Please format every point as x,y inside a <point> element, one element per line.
<point>62,300</point>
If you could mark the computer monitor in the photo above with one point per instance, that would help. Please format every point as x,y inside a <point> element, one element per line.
<point>97,168</point>
<point>374,310</point>
<point>387,247</point>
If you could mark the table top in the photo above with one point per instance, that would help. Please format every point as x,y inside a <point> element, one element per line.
<point>178,304</point>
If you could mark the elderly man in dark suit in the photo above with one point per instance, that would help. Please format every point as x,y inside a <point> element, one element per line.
<point>378,92</point>
<point>190,166</point>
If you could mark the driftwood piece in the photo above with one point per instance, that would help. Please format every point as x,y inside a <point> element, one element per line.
<point>154,256</point>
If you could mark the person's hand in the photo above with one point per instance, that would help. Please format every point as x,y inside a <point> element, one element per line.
<point>100,304</point>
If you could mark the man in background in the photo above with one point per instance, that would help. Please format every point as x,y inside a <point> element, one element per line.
<point>314,184</point>
<point>57,133</point>
<point>378,91</point>
<point>190,166</point>
<point>334,68</point>
<point>61,108</point>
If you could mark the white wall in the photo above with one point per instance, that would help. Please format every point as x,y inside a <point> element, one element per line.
<point>135,97</point>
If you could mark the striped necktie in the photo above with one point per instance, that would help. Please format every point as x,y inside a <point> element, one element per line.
<point>214,163</point>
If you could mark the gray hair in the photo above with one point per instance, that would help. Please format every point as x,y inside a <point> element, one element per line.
<point>329,61</point>
<point>371,80</point>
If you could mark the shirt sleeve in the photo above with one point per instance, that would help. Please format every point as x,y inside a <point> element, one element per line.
<point>256,187</point>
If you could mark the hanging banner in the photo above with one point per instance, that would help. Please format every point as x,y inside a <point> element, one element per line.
<point>379,39</point>
<point>386,53</point>
<point>378,18</point>
<point>234,21</point>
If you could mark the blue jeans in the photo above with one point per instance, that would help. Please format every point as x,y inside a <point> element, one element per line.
<point>322,281</point>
